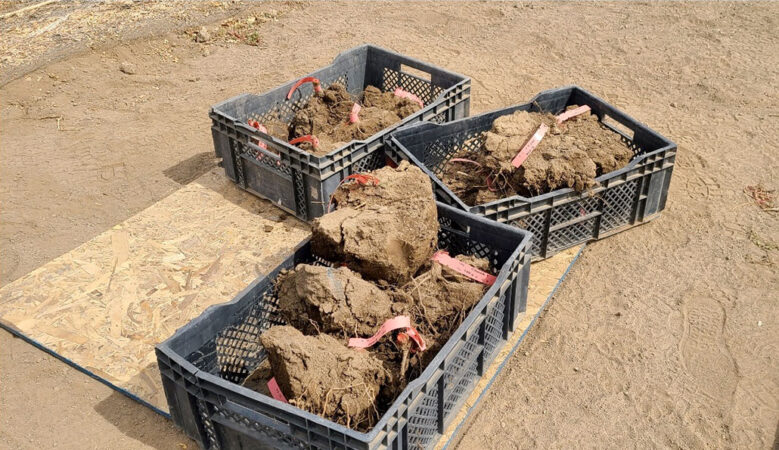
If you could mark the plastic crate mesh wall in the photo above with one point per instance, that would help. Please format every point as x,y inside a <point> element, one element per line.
<point>616,206</point>
<point>236,351</point>
<point>373,161</point>
<point>423,424</point>
<point>208,425</point>
<point>425,90</point>
<point>461,372</point>
<point>493,332</point>
<point>208,413</point>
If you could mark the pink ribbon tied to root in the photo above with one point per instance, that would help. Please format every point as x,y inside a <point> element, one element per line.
<point>261,128</point>
<point>396,323</point>
<point>442,257</point>
<point>302,81</point>
<point>406,94</point>
<point>572,113</point>
<point>307,138</point>
<point>354,114</point>
<point>275,390</point>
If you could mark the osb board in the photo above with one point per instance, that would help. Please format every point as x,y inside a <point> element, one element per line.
<point>544,278</point>
<point>107,303</point>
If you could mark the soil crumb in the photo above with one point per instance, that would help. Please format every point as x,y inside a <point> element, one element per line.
<point>318,299</point>
<point>323,376</point>
<point>571,155</point>
<point>385,231</point>
<point>326,116</point>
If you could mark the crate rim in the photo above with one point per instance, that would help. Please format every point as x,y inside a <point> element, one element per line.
<point>425,378</point>
<point>214,111</point>
<point>668,145</point>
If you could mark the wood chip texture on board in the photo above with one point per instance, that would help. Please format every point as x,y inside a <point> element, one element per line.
<point>107,303</point>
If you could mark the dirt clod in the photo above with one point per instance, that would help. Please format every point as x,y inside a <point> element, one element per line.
<point>128,68</point>
<point>321,375</point>
<point>570,155</point>
<point>323,299</point>
<point>202,35</point>
<point>385,232</point>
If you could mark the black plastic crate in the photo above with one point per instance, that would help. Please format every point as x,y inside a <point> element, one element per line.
<point>203,361</point>
<point>300,182</point>
<point>562,218</point>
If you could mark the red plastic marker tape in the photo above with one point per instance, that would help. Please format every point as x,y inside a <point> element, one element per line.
<point>530,145</point>
<point>353,116</point>
<point>406,94</point>
<point>307,138</point>
<point>489,184</point>
<point>301,82</point>
<point>275,390</point>
<point>414,334</point>
<point>362,178</point>
<point>572,113</point>
<point>390,325</point>
<point>261,128</point>
<point>460,267</point>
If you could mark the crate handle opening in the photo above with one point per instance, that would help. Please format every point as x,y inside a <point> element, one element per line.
<point>416,72</point>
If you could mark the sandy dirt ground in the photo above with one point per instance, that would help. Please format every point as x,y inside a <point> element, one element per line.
<point>663,336</point>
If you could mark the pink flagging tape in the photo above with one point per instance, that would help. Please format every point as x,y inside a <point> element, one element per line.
<point>406,94</point>
<point>572,113</point>
<point>275,390</point>
<point>414,334</point>
<point>530,145</point>
<point>489,184</point>
<point>396,323</point>
<point>354,115</point>
<point>361,178</point>
<point>386,327</point>
<point>460,267</point>
<point>307,138</point>
<point>260,127</point>
<point>302,81</point>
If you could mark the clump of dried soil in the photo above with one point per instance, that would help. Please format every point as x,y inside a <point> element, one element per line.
<point>571,155</point>
<point>318,299</point>
<point>385,231</point>
<point>277,129</point>
<point>321,375</point>
<point>326,116</point>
